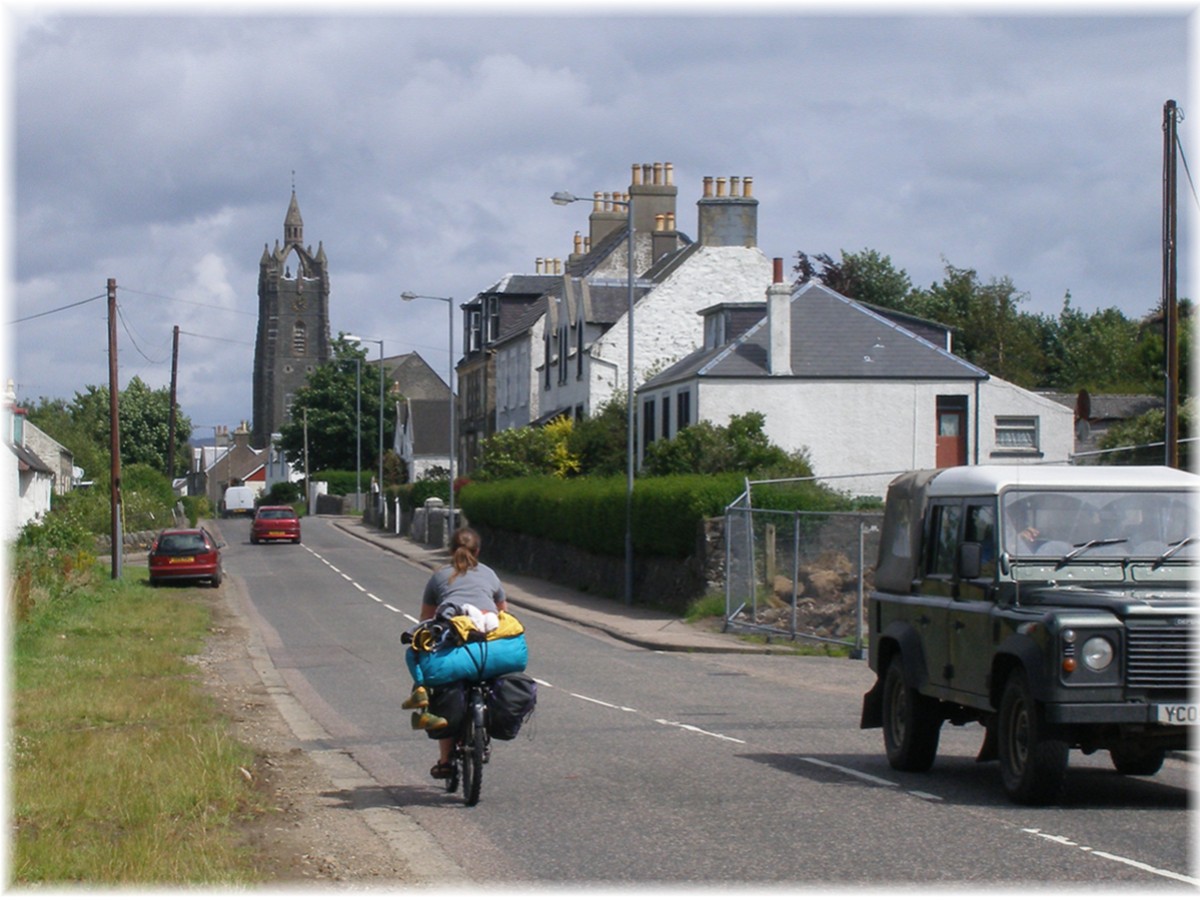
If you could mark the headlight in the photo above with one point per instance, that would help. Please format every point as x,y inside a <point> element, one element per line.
<point>1097,654</point>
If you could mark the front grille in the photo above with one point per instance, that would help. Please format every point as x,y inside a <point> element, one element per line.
<point>1162,657</point>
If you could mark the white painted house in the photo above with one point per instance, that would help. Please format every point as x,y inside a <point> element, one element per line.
<point>864,395</point>
<point>569,355</point>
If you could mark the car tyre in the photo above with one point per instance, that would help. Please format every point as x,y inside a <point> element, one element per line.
<point>1033,767</point>
<point>216,579</point>
<point>911,723</point>
<point>1137,760</point>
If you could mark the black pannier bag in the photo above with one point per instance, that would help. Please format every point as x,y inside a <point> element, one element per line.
<point>510,702</point>
<point>450,702</point>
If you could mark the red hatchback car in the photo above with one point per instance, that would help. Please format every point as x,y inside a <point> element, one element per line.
<point>275,523</point>
<point>185,554</point>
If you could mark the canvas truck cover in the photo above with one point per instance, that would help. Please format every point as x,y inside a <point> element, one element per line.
<point>900,541</point>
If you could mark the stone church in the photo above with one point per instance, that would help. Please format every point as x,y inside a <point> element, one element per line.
<point>293,324</point>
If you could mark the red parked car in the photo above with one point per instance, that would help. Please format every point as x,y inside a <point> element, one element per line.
<point>275,523</point>
<point>185,554</point>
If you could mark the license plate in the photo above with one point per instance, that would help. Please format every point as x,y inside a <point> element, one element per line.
<point>182,559</point>
<point>1179,714</point>
<point>276,534</point>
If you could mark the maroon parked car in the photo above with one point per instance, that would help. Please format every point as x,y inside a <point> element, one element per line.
<point>185,554</point>
<point>275,523</point>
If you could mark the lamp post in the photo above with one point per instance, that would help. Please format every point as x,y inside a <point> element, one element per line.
<point>562,198</point>
<point>380,482</point>
<point>357,424</point>
<point>409,296</point>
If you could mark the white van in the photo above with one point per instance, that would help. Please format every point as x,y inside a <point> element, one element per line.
<point>239,500</point>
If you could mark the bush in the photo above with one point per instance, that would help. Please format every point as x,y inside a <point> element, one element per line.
<point>195,507</point>
<point>343,483</point>
<point>284,492</point>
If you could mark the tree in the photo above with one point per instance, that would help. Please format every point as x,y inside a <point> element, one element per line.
<point>866,276</point>
<point>600,442</point>
<point>83,427</point>
<point>740,446</point>
<point>330,402</point>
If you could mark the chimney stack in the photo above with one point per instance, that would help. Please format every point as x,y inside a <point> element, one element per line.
<point>652,190</point>
<point>728,220</point>
<point>779,324</point>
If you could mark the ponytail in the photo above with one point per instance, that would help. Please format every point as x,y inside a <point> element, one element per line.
<point>464,551</point>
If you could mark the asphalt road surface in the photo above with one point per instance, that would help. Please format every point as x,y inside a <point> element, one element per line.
<point>642,767</point>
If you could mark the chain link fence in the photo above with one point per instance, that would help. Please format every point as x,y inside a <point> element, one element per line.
<point>800,575</point>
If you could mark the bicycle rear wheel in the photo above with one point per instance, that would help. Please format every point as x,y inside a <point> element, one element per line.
<point>474,741</point>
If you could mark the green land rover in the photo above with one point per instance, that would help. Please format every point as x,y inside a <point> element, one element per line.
<point>1053,604</point>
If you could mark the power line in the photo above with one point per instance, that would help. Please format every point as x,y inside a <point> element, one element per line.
<point>133,340</point>
<point>59,309</point>
<point>209,337</point>
<point>188,302</point>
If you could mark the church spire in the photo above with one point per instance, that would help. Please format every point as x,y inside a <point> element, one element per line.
<point>293,225</point>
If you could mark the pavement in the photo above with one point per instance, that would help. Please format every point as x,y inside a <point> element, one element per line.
<point>637,625</point>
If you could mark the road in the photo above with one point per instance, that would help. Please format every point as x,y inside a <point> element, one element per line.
<point>644,767</point>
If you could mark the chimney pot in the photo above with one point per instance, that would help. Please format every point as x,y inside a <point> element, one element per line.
<point>597,204</point>
<point>636,174</point>
<point>578,241</point>
<point>538,266</point>
<point>778,261</point>
<point>708,186</point>
<point>747,184</point>
<point>720,186</point>
<point>660,222</point>
<point>735,186</point>
<point>669,172</point>
<point>658,173</point>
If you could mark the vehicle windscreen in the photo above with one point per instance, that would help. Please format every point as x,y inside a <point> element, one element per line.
<point>1094,525</point>
<point>276,514</point>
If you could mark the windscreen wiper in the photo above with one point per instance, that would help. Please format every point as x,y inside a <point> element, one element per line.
<point>1173,548</point>
<point>1088,545</point>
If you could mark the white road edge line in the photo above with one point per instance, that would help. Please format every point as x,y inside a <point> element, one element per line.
<point>852,772</point>
<point>1145,867</point>
<point>686,727</point>
<point>602,703</point>
<point>392,608</point>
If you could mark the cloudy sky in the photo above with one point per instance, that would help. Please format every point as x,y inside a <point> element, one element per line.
<point>159,149</point>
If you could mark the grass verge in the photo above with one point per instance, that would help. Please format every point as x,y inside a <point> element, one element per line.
<point>123,772</point>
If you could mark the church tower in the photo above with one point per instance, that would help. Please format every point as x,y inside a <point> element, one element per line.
<point>293,324</point>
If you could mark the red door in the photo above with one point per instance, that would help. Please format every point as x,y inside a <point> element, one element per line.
<point>951,433</point>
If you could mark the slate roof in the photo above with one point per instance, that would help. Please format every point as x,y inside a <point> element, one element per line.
<point>833,338</point>
<point>431,427</point>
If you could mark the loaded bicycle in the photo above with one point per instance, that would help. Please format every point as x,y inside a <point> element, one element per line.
<point>472,746</point>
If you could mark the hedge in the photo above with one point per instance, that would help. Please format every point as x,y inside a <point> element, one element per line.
<point>589,513</point>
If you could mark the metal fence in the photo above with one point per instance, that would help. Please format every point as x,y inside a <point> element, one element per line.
<point>800,575</point>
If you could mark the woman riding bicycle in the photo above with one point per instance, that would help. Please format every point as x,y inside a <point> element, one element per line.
<point>465,582</point>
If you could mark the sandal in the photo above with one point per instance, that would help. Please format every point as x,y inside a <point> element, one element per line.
<point>442,770</point>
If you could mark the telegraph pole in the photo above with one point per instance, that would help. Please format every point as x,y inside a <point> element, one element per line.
<point>171,426</point>
<point>1171,116</point>
<point>114,446</point>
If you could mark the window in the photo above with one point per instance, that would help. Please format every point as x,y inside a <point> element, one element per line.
<point>1016,434</point>
<point>666,415</point>
<point>943,525</point>
<point>683,410</point>
<point>474,335</point>
<point>546,354</point>
<point>579,349</point>
<point>980,527</point>
<point>648,422</point>
<point>299,339</point>
<point>564,344</point>
<point>493,323</point>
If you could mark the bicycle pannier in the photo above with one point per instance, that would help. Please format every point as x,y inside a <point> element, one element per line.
<point>511,700</point>
<point>450,702</point>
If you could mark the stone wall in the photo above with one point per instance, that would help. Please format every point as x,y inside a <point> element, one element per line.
<point>670,584</point>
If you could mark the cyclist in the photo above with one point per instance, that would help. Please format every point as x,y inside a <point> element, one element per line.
<point>465,582</point>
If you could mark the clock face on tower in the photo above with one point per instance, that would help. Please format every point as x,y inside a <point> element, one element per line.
<point>298,304</point>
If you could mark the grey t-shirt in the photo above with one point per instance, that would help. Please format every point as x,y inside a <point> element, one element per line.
<point>479,586</point>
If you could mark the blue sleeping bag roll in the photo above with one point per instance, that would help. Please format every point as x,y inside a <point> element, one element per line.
<point>478,659</point>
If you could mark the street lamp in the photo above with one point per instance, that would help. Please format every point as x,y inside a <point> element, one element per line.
<point>357,425</point>
<point>380,483</point>
<point>562,198</point>
<point>409,296</point>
